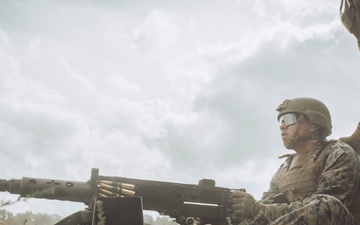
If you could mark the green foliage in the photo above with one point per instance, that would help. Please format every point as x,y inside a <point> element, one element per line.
<point>100,212</point>
<point>28,218</point>
<point>50,191</point>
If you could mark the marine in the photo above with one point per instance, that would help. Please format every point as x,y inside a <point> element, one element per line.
<point>316,184</point>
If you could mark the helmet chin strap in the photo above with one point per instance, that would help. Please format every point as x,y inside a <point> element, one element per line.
<point>297,136</point>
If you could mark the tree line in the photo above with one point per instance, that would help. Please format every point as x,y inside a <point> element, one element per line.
<point>29,218</point>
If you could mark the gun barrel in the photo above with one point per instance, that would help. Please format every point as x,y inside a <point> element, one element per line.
<point>50,189</point>
<point>12,186</point>
<point>4,185</point>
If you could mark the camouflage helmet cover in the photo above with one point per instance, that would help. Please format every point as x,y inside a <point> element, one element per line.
<point>313,109</point>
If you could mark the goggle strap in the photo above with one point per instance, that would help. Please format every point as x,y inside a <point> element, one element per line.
<point>297,136</point>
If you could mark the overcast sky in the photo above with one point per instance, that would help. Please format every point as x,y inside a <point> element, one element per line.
<point>166,90</point>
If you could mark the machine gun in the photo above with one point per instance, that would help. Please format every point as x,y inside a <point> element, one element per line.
<point>187,204</point>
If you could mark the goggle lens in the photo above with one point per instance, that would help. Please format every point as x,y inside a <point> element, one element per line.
<point>288,119</point>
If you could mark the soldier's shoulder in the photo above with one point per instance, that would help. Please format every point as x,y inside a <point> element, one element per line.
<point>339,147</point>
<point>340,152</point>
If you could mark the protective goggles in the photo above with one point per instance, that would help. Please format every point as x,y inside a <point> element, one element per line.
<point>288,119</point>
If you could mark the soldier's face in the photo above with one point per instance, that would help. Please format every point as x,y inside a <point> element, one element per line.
<point>287,133</point>
<point>289,125</point>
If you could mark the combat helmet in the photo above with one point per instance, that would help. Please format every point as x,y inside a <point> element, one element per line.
<point>316,111</point>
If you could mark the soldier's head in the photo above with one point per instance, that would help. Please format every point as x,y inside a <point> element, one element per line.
<point>302,112</point>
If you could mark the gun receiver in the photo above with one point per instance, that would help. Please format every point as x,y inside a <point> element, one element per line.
<point>184,202</point>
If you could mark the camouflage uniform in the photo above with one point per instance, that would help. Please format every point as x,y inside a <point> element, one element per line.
<point>315,188</point>
<point>328,181</point>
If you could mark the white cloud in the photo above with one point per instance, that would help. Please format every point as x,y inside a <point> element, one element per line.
<point>158,32</point>
<point>34,47</point>
<point>174,91</point>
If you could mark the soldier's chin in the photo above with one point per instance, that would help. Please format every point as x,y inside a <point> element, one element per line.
<point>287,145</point>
